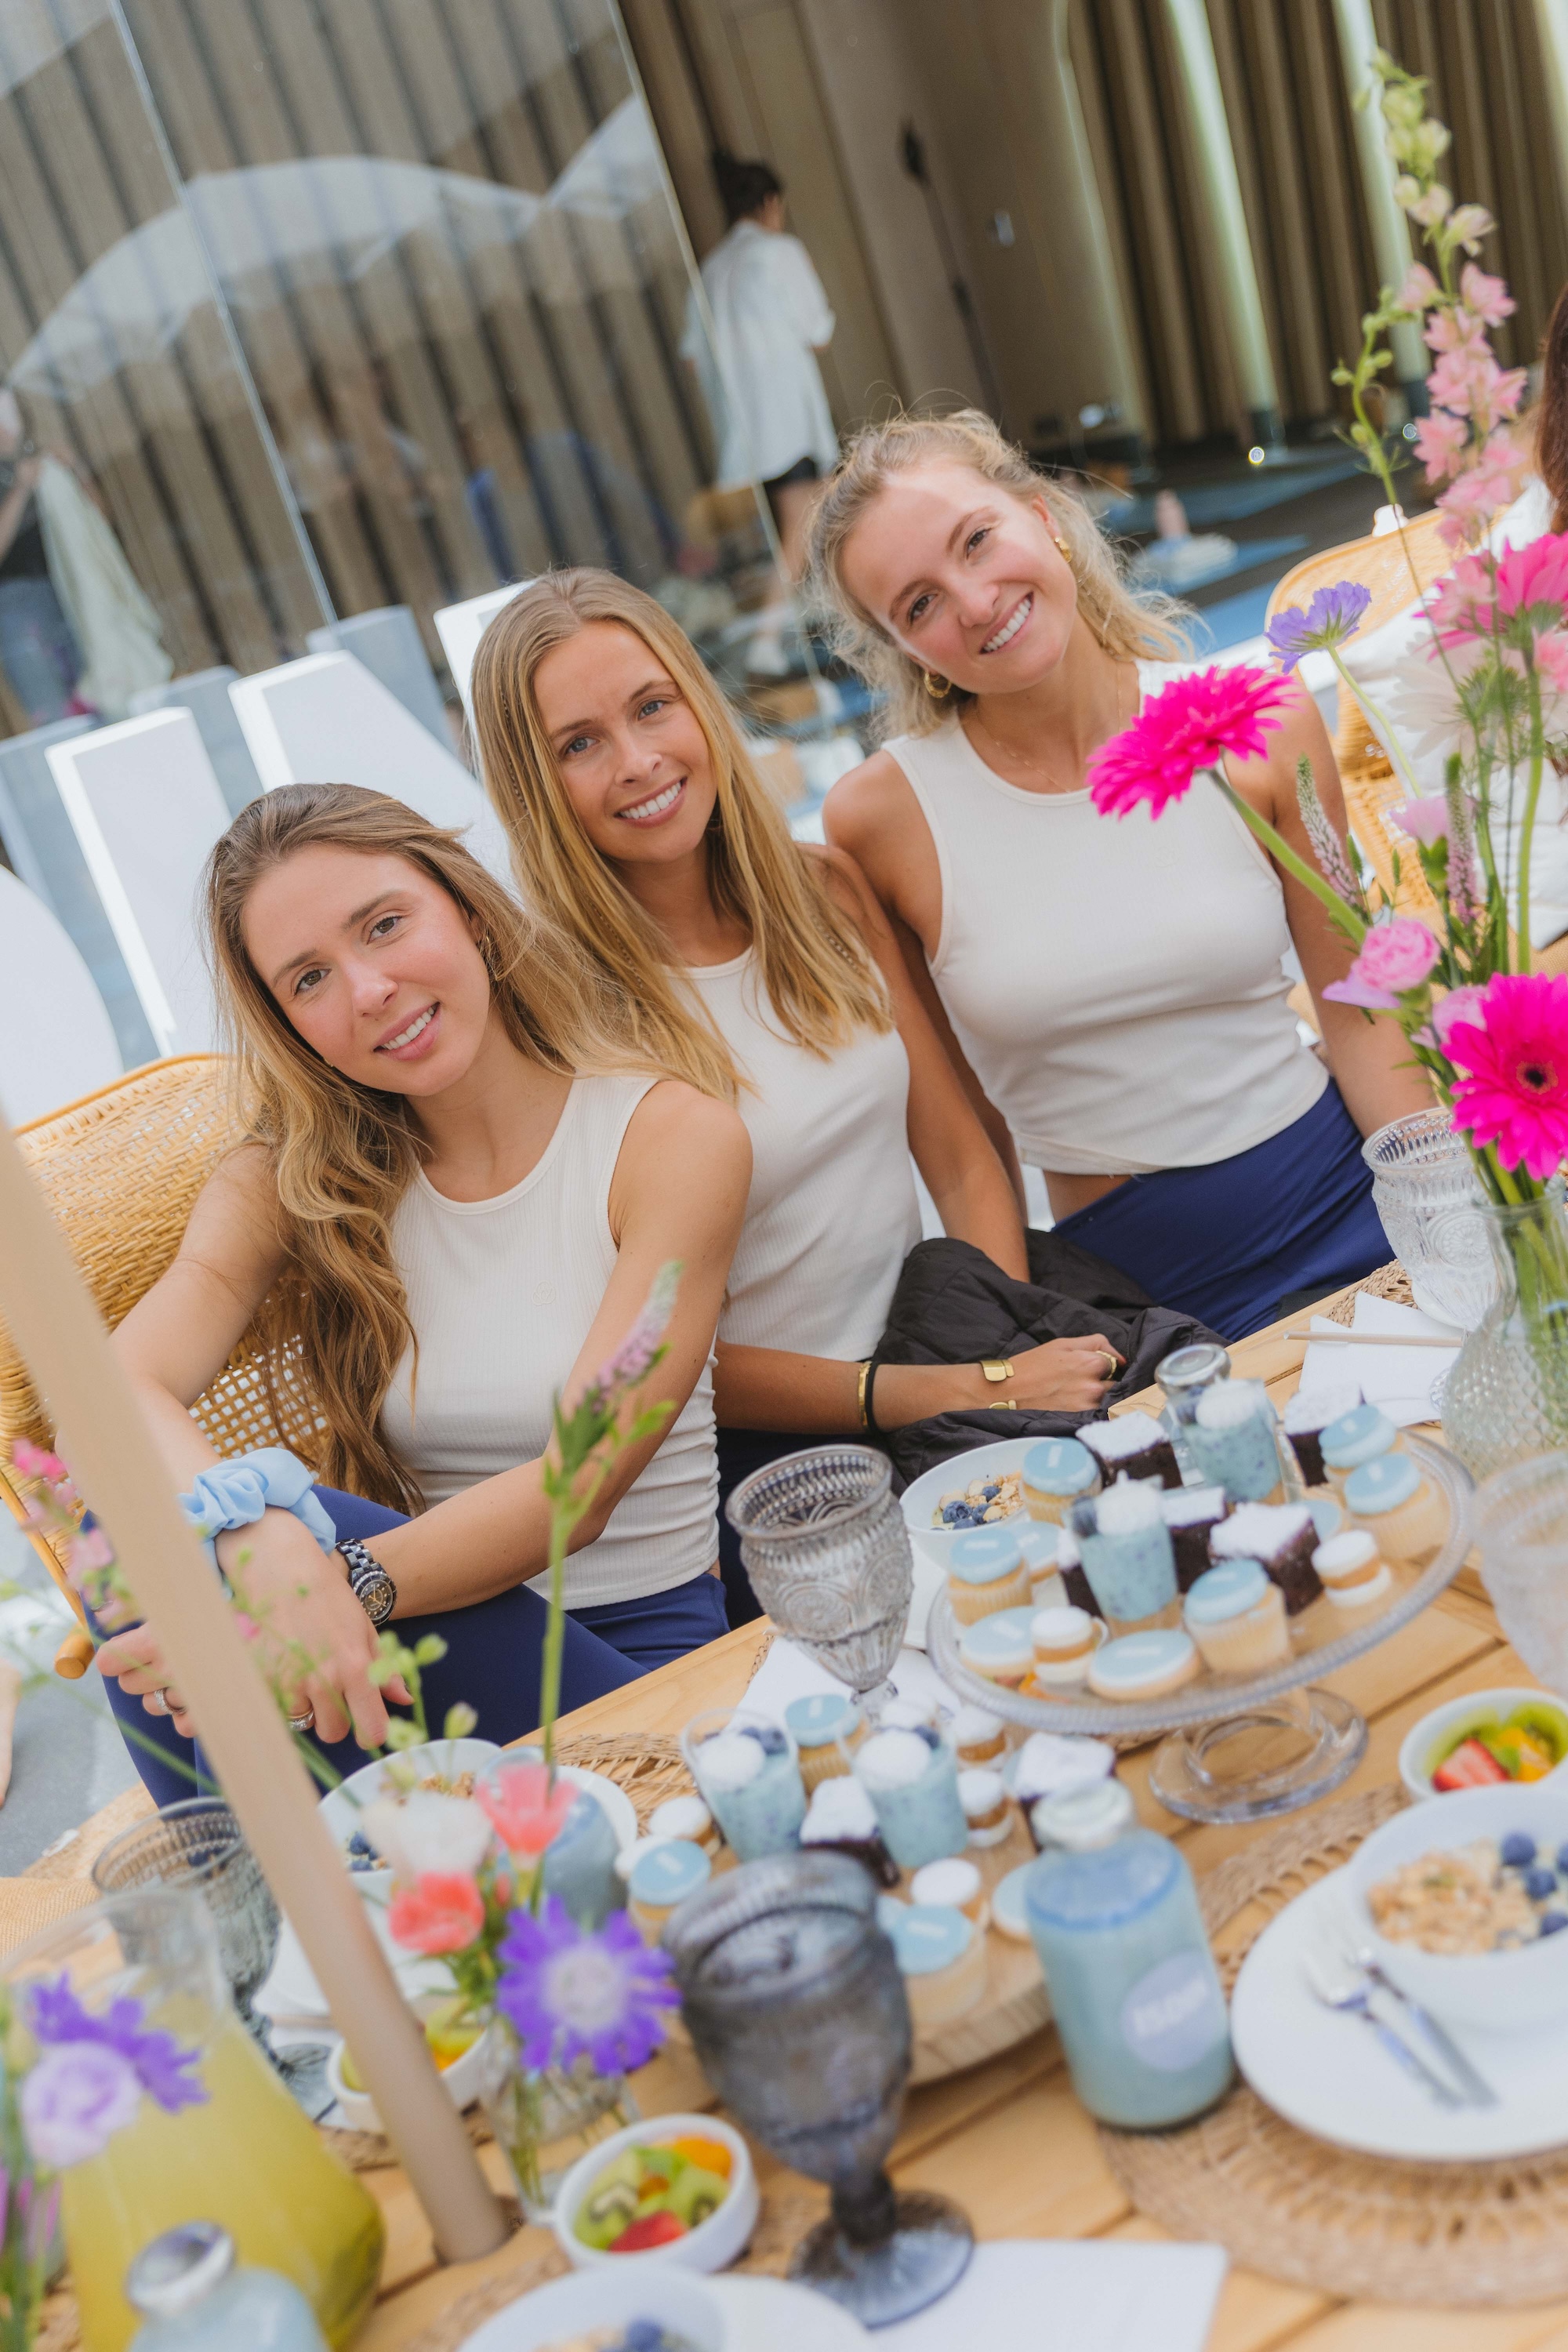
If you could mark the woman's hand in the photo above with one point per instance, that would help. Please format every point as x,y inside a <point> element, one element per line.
<point>1064,1376</point>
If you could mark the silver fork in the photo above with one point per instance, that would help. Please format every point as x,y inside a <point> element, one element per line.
<point>1477,2091</point>
<point>1350,2000</point>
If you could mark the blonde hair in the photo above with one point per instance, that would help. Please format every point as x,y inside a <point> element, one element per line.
<point>819,976</point>
<point>342,1154</point>
<point>1125,625</point>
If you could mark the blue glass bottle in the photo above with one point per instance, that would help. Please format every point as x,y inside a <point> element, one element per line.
<point>193,2299</point>
<point>1134,1991</point>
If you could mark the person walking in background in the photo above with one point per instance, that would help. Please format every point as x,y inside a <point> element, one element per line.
<point>37,651</point>
<point>759,373</point>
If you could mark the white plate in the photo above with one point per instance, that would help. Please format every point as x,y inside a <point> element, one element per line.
<point>761,2314</point>
<point>1326,2074</point>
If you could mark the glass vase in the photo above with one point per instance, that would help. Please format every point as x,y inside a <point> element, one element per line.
<point>543,2121</point>
<point>1522,1530</point>
<point>1506,1399</point>
<point>1425,1190</point>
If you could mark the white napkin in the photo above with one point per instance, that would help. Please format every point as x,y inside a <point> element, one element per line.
<point>1098,2294</point>
<point>1400,1380</point>
<point>787,1674</point>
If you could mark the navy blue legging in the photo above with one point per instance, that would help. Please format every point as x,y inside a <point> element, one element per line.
<point>493,1654</point>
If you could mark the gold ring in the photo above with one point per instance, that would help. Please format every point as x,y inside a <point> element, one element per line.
<point>1112,1367</point>
<point>306,1722</point>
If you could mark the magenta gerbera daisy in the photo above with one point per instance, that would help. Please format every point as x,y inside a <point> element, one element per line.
<point>1513,1086</point>
<point>1195,722</point>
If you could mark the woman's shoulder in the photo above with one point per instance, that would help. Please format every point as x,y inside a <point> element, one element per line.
<point>675,1126</point>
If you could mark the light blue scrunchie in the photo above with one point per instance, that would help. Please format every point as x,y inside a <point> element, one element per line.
<point>235,1494</point>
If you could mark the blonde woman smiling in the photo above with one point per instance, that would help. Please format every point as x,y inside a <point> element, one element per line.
<point>1111,994</point>
<point>461,1180</point>
<point>762,971</point>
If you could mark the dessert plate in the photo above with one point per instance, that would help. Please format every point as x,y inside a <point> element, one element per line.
<point>761,2314</point>
<point>1324,2073</point>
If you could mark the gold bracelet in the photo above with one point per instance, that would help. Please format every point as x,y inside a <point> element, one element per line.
<point>997,1368</point>
<point>860,1392</point>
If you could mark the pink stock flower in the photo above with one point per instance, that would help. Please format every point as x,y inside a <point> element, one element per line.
<point>442,1912</point>
<point>1514,1092</point>
<point>1440,441</point>
<point>1394,956</point>
<point>1190,724</point>
<point>1458,330</point>
<point>1461,1004</point>
<point>1487,296</point>
<point>1468,224</point>
<point>636,1353</point>
<point>1420,288</point>
<point>524,1812</point>
<point>1477,497</point>
<point>33,1461</point>
<point>1426,820</point>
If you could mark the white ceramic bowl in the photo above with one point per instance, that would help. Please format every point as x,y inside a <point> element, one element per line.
<point>360,2111</point>
<point>922,1496</point>
<point>343,1806</point>
<point>1501,1992</point>
<point>569,2307</point>
<point>710,2246</point>
<point>1436,1733</point>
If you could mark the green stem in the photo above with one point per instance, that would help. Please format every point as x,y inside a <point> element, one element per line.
<point>1354,925</point>
<point>1527,831</point>
<point>1386,735</point>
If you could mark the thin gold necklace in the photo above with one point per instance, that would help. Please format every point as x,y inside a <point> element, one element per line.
<point>1037,767</point>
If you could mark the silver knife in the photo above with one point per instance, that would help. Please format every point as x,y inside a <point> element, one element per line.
<point>1477,2089</point>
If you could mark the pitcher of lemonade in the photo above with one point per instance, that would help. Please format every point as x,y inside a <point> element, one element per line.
<point>238,2150</point>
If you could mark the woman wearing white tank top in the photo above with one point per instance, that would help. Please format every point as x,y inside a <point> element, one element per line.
<point>454,1225</point>
<point>761,969</point>
<point>1111,994</point>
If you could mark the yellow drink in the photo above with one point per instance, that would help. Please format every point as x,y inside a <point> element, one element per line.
<point>248,2158</point>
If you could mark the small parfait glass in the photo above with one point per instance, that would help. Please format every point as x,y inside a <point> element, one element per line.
<point>794,2000</point>
<point>762,1815</point>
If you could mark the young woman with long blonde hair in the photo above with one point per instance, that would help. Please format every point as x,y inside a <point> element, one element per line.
<point>460,1179</point>
<point>760,970</point>
<point>1109,993</point>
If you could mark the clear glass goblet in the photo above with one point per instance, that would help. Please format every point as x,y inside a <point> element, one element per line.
<point>824,1544</point>
<point>199,1843</point>
<point>1425,1190</point>
<point>1522,1529</point>
<point>797,2010</point>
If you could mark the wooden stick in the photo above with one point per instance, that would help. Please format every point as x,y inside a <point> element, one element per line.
<point>116,1464</point>
<point>1372,1339</point>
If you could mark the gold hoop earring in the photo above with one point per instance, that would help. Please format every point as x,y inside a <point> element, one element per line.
<point>1066,549</point>
<point>937,689</point>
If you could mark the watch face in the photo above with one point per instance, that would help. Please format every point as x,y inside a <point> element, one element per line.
<point>376,1595</point>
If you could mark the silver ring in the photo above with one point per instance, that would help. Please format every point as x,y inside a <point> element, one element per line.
<point>306,1722</point>
<point>155,1703</point>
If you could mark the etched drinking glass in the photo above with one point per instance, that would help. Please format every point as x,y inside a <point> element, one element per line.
<point>824,1544</point>
<point>796,2007</point>
<point>1522,1529</point>
<point>1425,1190</point>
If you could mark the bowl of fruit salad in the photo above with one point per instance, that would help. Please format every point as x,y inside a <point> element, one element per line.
<point>676,2188</point>
<point>1484,1740</point>
<point>454,2044</point>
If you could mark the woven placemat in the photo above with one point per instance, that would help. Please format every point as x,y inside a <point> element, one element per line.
<point>1296,2209</point>
<point>1389,1282</point>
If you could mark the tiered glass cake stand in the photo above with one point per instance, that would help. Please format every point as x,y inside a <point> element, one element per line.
<point>1244,1747</point>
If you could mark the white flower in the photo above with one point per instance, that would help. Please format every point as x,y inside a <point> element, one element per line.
<point>427,1832</point>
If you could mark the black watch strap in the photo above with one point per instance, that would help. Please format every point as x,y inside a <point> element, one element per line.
<point>368,1581</point>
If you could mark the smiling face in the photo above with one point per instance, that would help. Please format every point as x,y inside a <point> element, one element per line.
<point>966,578</point>
<point>632,758</point>
<point>374,964</point>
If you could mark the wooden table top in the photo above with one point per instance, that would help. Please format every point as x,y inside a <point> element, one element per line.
<point>1009,2139</point>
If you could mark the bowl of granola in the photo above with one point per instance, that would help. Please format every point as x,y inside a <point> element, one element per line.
<point>444,1767</point>
<point>1465,1904</point>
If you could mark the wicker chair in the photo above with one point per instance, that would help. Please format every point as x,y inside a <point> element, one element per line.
<point>122,1169</point>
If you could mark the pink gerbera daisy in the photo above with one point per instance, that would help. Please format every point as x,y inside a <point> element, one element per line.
<point>1532,580</point>
<point>1195,722</point>
<point>1513,1090</point>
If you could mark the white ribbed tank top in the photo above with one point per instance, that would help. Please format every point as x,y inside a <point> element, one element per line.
<point>1116,982</point>
<point>832,1212</point>
<point>501,1295</point>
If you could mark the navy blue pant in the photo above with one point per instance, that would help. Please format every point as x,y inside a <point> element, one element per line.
<point>494,1651</point>
<point>1231,1243</point>
<point>742,1451</point>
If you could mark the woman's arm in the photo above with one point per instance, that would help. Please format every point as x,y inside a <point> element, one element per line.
<point>1368,1055</point>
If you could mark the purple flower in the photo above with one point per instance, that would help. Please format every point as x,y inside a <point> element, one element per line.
<point>156,2059</point>
<point>568,1993</point>
<point>634,1358</point>
<point>1333,615</point>
<point>74,2101</point>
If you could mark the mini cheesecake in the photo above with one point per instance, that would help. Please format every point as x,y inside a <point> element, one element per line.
<point>1143,1665</point>
<point>978,1737</point>
<point>1305,1419</point>
<point>1283,1537</point>
<point>986,1571</point>
<point>1401,1510</point>
<point>942,1957</point>
<point>1361,1436</point>
<point>999,1648</point>
<point>816,1725</point>
<point>1353,1569</point>
<point>1236,1615</point>
<point>986,1805</point>
<point>954,1881</point>
<point>1057,1472</point>
<point>1191,1514</point>
<point>1009,1907</point>
<point>685,1817</point>
<point>1064,1641</point>
<point>1133,1446</point>
<point>660,1882</point>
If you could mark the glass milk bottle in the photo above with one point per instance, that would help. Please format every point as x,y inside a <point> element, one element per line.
<point>1114,1918</point>
<point>193,2299</point>
<point>1184,1376</point>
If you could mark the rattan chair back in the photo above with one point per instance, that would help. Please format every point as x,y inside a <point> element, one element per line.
<point>1398,567</point>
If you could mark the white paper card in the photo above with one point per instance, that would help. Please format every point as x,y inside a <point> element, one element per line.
<point>1399,1380</point>
<point>1099,2295</point>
